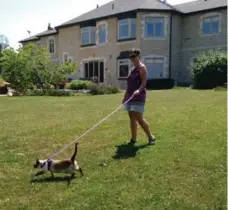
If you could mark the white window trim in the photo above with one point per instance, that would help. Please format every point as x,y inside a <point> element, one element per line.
<point>65,53</point>
<point>129,32</point>
<point>208,15</point>
<point>129,67</point>
<point>165,71</point>
<point>51,38</point>
<point>90,28</point>
<point>155,15</point>
<point>97,32</point>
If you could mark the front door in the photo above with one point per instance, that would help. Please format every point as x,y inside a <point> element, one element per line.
<point>94,69</point>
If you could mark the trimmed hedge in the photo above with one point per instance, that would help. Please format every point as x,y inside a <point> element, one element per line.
<point>159,84</point>
<point>101,89</point>
<point>209,69</point>
<point>51,92</point>
<point>79,85</point>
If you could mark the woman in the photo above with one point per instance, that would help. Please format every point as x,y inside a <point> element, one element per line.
<point>136,88</point>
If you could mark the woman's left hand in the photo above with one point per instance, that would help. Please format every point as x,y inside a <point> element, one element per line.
<point>136,93</point>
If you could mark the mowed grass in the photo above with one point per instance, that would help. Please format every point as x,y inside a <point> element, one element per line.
<point>186,169</point>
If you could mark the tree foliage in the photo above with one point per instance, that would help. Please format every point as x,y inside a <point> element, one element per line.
<point>31,66</point>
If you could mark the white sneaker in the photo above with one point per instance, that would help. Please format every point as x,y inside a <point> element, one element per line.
<point>151,140</point>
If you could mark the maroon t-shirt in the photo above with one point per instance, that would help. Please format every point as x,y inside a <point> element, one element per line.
<point>133,83</point>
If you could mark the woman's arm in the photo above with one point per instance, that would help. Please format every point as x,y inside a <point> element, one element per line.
<point>143,75</point>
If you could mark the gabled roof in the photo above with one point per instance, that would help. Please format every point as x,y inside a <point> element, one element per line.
<point>116,7</point>
<point>37,36</point>
<point>200,5</point>
<point>31,38</point>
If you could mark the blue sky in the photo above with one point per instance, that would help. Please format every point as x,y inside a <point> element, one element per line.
<point>18,16</point>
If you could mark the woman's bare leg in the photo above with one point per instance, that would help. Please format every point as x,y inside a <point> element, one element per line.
<point>133,126</point>
<point>144,124</point>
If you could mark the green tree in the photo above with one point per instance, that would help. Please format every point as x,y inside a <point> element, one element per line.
<point>4,43</point>
<point>31,66</point>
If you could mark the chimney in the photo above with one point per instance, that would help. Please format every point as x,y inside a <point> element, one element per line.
<point>97,5</point>
<point>49,27</point>
<point>113,6</point>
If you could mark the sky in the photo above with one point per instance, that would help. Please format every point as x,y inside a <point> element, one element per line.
<point>18,16</point>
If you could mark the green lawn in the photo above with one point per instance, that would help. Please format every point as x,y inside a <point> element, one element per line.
<point>186,169</point>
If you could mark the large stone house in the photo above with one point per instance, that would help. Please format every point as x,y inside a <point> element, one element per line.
<point>168,36</point>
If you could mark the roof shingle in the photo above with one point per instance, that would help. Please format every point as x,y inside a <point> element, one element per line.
<point>37,36</point>
<point>117,7</point>
<point>200,5</point>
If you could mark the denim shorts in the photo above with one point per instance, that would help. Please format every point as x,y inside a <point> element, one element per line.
<point>135,107</point>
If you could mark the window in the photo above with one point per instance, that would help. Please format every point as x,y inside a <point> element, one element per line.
<point>51,45</point>
<point>155,67</point>
<point>94,70</point>
<point>154,27</point>
<point>65,57</point>
<point>127,28</point>
<point>102,33</point>
<point>124,68</point>
<point>70,59</point>
<point>88,35</point>
<point>210,25</point>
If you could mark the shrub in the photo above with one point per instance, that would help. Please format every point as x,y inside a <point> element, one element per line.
<point>79,85</point>
<point>209,69</point>
<point>158,84</point>
<point>49,93</point>
<point>101,89</point>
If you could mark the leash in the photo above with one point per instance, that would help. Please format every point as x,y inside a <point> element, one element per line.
<point>73,142</point>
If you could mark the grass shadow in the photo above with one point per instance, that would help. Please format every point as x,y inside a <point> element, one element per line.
<point>51,180</point>
<point>125,151</point>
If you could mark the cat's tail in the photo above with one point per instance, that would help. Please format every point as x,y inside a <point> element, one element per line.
<point>75,153</point>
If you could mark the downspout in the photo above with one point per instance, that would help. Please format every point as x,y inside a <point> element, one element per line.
<point>170,44</point>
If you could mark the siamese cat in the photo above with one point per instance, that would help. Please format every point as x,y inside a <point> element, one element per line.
<point>69,166</point>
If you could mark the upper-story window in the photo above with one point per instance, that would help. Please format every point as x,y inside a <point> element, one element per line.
<point>154,27</point>
<point>210,25</point>
<point>127,28</point>
<point>88,35</point>
<point>102,33</point>
<point>51,45</point>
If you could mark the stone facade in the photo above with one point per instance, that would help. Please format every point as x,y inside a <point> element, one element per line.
<point>182,40</point>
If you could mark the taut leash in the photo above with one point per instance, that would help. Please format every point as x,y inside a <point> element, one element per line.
<point>73,142</point>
